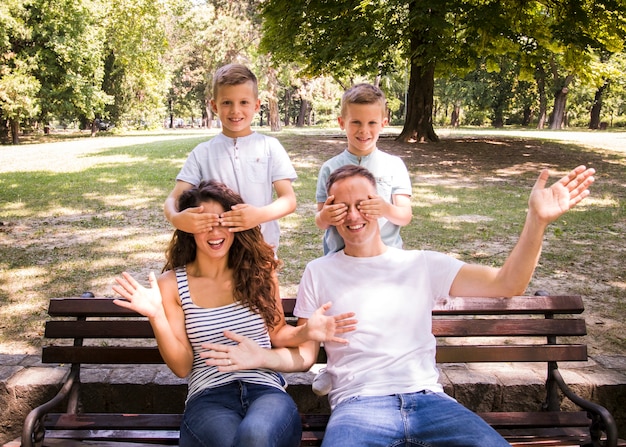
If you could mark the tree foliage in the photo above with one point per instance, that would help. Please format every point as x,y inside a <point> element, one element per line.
<point>441,37</point>
<point>475,61</point>
<point>134,46</point>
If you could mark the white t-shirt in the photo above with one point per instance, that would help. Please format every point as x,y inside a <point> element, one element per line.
<point>248,165</point>
<point>392,349</point>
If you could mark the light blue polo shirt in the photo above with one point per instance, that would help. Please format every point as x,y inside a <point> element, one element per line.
<point>392,178</point>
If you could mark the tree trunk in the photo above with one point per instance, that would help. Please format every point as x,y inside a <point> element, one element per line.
<point>94,128</point>
<point>528,115</point>
<point>170,106</point>
<point>596,109</point>
<point>455,118</point>
<point>273,117</point>
<point>418,125</point>
<point>558,114</point>
<point>209,112</point>
<point>498,117</point>
<point>15,131</point>
<point>205,118</point>
<point>540,77</point>
<point>287,120</point>
<point>302,116</point>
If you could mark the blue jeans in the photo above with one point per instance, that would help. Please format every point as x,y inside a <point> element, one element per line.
<point>423,419</point>
<point>243,415</point>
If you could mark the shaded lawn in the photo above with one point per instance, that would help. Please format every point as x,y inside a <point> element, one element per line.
<point>89,215</point>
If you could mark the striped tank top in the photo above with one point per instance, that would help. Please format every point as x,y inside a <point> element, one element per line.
<point>207,325</point>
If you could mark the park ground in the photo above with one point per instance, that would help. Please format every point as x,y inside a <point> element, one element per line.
<point>469,196</point>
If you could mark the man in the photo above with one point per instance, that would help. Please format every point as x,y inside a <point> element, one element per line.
<point>384,381</point>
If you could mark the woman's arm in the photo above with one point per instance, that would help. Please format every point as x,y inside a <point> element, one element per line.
<point>161,305</point>
<point>320,327</point>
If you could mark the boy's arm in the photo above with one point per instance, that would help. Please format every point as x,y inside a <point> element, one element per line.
<point>160,305</point>
<point>191,220</point>
<point>399,212</point>
<point>245,216</point>
<point>330,214</point>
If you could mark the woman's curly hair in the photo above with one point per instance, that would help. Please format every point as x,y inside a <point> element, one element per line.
<point>251,259</point>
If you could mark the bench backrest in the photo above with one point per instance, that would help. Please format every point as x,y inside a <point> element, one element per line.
<point>518,329</point>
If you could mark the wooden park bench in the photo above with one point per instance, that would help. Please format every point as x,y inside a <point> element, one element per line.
<point>518,329</point>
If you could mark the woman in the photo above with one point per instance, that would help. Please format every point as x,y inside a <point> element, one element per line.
<point>219,287</point>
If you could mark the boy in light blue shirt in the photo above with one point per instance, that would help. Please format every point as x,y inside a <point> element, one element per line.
<point>363,117</point>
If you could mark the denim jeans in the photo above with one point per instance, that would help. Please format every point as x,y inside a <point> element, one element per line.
<point>424,419</point>
<point>241,414</point>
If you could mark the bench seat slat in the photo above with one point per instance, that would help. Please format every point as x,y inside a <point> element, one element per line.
<point>116,421</point>
<point>64,421</point>
<point>50,441</point>
<point>119,426</point>
<point>542,437</point>
<point>513,353</point>
<point>539,419</point>
<point>547,437</point>
<point>112,421</point>
<point>116,438</point>
<point>519,428</point>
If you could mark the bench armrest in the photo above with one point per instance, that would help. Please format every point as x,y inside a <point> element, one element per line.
<point>602,420</point>
<point>32,432</point>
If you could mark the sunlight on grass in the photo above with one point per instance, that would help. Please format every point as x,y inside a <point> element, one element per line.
<point>124,201</point>
<point>425,197</point>
<point>34,276</point>
<point>73,217</point>
<point>594,201</point>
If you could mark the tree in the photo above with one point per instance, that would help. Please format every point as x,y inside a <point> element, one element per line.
<point>66,47</point>
<point>209,35</point>
<point>134,47</point>
<point>563,40</point>
<point>373,37</point>
<point>344,39</point>
<point>17,89</point>
<point>51,60</point>
<point>18,101</point>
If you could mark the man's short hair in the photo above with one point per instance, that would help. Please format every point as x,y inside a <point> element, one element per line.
<point>348,171</point>
<point>363,94</point>
<point>234,74</point>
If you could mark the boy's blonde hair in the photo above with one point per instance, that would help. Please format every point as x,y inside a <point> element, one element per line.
<point>363,94</point>
<point>234,74</point>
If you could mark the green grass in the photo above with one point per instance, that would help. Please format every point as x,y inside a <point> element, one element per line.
<point>76,224</point>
